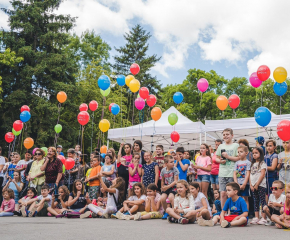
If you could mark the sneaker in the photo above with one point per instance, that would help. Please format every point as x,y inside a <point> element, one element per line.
<point>120,215</point>
<point>137,216</point>
<point>127,217</point>
<point>270,223</point>
<point>225,224</point>
<point>85,215</point>
<point>113,215</point>
<point>183,220</point>
<point>171,219</point>
<point>255,220</point>
<point>94,215</point>
<point>165,216</point>
<point>32,213</point>
<point>127,213</point>
<point>262,221</point>
<point>202,222</point>
<point>23,211</point>
<point>106,215</point>
<point>17,213</point>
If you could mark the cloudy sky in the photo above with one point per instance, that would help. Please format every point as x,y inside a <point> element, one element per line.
<point>231,37</point>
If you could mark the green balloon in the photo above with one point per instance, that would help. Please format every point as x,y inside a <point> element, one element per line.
<point>15,133</point>
<point>57,128</point>
<point>106,92</point>
<point>138,95</point>
<point>172,119</point>
<point>45,150</point>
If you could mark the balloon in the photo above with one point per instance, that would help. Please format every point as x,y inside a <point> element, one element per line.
<point>69,164</point>
<point>103,155</point>
<point>128,79</point>
<point>45,150</point>
<point>34,150</point>
<point>202,84</point>
<point>115,109</point>
<point>25,116</point>
<point>263,116</point>
<point>175,136</point>
<point>104,149</point>
<point>151,100</point>
<point>134,85</point>
<point>110,107</point>
<point>170,151</point>
<point>222,102</point>
<point>172,118</point>
<point>178,97</point>
<point>83,118</point>
<point>104,125</point>
<point>280,88</point>
<point>9,137</point>
<point>57,128</point>
<point>139,103</point>
<point>15,133</point>
<point>93,105</point>
<point>24,108</point>
<point>254,80</point>
<point>83,107</point>
<point>234,101</point>
<point>104,82</point>
<point>283,130</point>
<point>61,97</point>
<point>106,92</point>
<point>144,92</point>
<point>121,80</point>
<point>135,68</point>
<point>18,125</point>
<point>263,73</point>
<point>138,95</point>
<point>62,159</point>
<point>28,143</point>
<point>280,74</point>
<point>156,113</point>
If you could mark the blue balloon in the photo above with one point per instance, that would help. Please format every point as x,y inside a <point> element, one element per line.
<point>263,116</point>
<point>121,80</point>
<point>280,88</point>
<point>25,116</point>
<point>178,97</point>
<point>104,82</point>
<point>103,155</point>
<point>115,109</point>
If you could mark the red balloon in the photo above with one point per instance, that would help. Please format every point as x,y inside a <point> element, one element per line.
<point>135,68</point>
<point>69,164</point>
<point>83,118</point>
<point>18,125</point>
<point>263,73</point>
<point>151,100</point>
<point>93,105</point>
<point>62,159</point>
<point>24,108</point>
<point>9,137</point>
<point>110,106</point>
<point>175,136</point>
<point>234,101</point>
<point>144,92</point>
<point>84,107</point>
<point>283,130</point>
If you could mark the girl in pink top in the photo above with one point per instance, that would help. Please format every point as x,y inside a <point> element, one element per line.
<point>8,204</point>
<point>127,149</point>
<point>135,170</point>
<point>203,168</point>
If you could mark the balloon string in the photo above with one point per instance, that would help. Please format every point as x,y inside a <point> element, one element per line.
<point>121,108</point>
<point>83,148</point>
<point>22,133</point>
<point>133,109</point>
<point>104,102</point>
<point>92,132</point>
<point>114,122</point>
<point>79,135</point>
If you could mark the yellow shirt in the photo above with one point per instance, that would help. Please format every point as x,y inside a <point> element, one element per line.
<point>35,169</point>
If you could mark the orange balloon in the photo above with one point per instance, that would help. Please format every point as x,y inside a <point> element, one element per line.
<point>61,97</point>
<point>156,113</point>
<point>28,143</point>
<point>170,151</point>
<point>103,149</point>
<point>222,102</point>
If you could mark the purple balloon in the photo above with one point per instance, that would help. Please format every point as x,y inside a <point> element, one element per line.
<point>202,84</point>
<point>139,103</point>
<point>254,80</point>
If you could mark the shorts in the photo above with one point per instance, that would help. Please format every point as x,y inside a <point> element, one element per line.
<point>230,218</point>
<point>203,178</point>
<point>170,190</point>
<point>223,182</point>
<point>43,212</point>
<point>245,192</point>
<point>154,215</point>
<point>214,179</point>
<point>274,211</point>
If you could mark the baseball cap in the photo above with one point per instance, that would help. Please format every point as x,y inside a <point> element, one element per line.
<point>260,140</point>
<point>59,146</point>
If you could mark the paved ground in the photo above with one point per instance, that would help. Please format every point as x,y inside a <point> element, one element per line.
<point>50,228</point>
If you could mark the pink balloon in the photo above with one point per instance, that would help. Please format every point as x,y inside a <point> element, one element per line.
<point>254,80</point>
<point>139,103</point>
<point>34,150</point>
<point>202,84</point>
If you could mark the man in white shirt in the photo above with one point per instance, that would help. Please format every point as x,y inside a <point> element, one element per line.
<point>22,164</point>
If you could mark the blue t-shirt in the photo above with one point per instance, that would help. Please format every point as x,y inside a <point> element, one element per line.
<point>236,208</point>
<point>11,169</point>
<point>269,160</point>
<point>182,174</point>
<point>218,205</point>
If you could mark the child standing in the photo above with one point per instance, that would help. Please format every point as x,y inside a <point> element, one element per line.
<point>123,172</point>
<point>214,173</point>
<point>135,170</point>
<point>159,159</point>
<point>108,170</point>
<point>12,166</point>
<point>284,163</point>
<point>258,184</point>
<point>94,182</point>
<point>181,163</point>
<point>150,170</point>
<point>127,149</point>
<point>8,203</point>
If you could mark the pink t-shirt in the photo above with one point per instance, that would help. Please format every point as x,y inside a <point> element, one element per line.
<point>215,166</point>
<point>136,177</point>
<point>156,200</point>
<point>203,162</point>
<point>128,159</point>
<point>8,206</point>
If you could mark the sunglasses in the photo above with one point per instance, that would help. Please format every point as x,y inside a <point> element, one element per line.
<point>274,188</point>
<point>38,154</point>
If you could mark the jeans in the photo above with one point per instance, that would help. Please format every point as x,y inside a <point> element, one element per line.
<point>6,214</point>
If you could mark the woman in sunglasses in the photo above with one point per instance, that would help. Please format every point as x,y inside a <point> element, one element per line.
<point>36,176</point>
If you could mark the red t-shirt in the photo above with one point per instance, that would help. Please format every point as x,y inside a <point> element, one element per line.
<point>215,166</point>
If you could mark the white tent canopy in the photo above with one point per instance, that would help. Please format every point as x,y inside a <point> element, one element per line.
<point>153,133</point>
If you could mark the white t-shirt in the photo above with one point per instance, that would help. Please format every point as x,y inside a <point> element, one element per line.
<point>21,164</point>
<point>111,201</point>
<point>280,200</point>
<point>256,173</point>
<point>135,198</point>
<point>2,162</point>
<point>40,197</point>
<point>198,203</point>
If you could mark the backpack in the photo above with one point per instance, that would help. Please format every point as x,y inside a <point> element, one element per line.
<point>118,204</point>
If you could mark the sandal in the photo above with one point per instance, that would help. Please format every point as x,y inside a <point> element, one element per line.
<point>278,226</point>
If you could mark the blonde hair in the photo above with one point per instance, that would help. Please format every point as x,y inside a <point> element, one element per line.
<point>113,154</point>
<point>186,185</point>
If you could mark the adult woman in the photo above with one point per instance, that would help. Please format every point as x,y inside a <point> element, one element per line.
<point>137,148</point>
<point>36,176</point>
<point>53,169</point>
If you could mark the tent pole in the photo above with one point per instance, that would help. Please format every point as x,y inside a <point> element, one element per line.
<point>200,139</point>
<point>108,141</point>
<point>205,137</point>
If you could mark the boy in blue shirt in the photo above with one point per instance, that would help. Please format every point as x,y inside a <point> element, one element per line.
<point>181,163</point>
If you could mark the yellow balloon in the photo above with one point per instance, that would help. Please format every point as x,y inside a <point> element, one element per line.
<point>134,85</point>
<point>280,74</point>
<point>128,79</point>
<point>104,125</point>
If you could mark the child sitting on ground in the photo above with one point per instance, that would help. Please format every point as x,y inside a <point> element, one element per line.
<point>8,203</point>
<point>217,208</point>
<point>60,206</point>
<point>31,194</point>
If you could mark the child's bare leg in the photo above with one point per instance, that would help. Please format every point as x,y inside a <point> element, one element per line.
<point>171,198</point>
<point>40,207</point>
<point>171,213</point>
<point>278,219</point>
<point>191,216</point>
<point>205,214</point>
<point>163,201</point>
<point>32,206</point>
<point>216,219</point>
<point>239,222</point>
<point>267,211</point>
<point>52,211</point>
